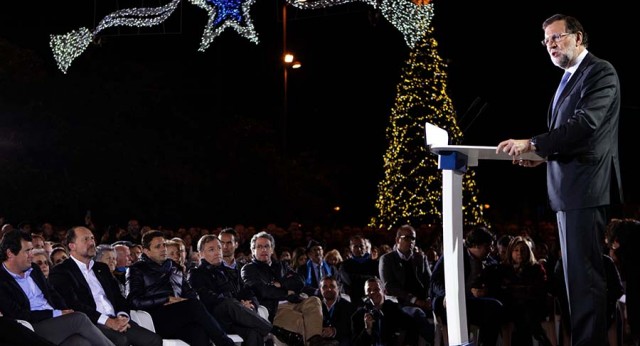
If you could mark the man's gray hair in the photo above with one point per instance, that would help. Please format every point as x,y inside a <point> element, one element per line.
<point>101,249</point>
<point>264,235</point>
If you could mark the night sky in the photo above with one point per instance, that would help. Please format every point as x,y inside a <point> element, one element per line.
<point>144,125</point>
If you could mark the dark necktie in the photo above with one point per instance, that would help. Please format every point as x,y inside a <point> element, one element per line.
<point>563,82</point>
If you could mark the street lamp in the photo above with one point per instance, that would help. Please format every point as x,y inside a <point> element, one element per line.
<point>289,62</point>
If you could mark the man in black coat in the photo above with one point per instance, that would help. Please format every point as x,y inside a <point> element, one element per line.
<point>379,321</point>
<point>336,312</point>
<point>278,288</point>
<point>158,285</point>
<point>226,298</point>
<point>482,310</point>
<point>357,269</point>
<point>25,294</point>
<point>90,287</point>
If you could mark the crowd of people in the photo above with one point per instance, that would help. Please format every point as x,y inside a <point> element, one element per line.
<point>292,286</point>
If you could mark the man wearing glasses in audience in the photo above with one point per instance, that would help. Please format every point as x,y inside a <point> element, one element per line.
<point>406,274</point>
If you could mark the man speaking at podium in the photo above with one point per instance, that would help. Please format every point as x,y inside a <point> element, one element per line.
<point>583,170</point>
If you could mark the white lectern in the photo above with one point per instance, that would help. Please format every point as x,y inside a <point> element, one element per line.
<point>453,160</point>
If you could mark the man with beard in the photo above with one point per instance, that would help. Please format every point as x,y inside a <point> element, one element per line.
<point>336,312</point>
<point>89,287</point>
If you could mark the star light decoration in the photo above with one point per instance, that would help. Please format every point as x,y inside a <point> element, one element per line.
<point>411,18</point>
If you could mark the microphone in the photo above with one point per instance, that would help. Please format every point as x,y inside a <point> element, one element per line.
<point>478,113</point>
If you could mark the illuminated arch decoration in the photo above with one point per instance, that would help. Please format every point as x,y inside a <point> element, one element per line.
<point>411,18</point>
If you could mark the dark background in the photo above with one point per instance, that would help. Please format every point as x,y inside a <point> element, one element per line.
<point>144,125</point>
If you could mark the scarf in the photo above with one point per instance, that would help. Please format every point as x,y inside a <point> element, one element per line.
<point>311,271</point>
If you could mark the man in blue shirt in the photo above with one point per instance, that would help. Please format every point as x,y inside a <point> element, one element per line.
<point>25,294</point>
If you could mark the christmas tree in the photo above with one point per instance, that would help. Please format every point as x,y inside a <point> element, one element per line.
<point>411,190</point>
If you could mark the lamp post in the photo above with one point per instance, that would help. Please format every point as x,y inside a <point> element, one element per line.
<point>288,62</point>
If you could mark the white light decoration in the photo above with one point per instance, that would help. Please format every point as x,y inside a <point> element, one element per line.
<point>69,46</point>
<point>411,19</point>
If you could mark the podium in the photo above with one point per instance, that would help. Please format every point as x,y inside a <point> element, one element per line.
<point>454,160</point>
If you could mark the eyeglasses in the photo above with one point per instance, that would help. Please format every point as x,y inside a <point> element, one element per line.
<point>555,38</point>
<point>408,237</point>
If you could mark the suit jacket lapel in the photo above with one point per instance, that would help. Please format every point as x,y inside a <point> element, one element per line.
<point>568,89</point>
<point>9,280</point>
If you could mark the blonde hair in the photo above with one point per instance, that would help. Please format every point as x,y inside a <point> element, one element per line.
<point>335,253</point>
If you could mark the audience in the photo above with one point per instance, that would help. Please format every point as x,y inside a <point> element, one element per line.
<point>622,302</point>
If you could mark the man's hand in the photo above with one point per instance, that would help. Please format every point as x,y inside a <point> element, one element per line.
<point>368,322</point>
<point>526,163</point>
<point>173,299</point>
<point>119,324</point>
<point>248,304</point>
<point>328,332</point>
<point>514,147</point>
<point>66,311</point>
<point>424,304</point>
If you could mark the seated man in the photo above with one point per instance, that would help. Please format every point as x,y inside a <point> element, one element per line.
<point>336,312</point>
<point>406,274</point>
<point>25,294</point>
<point>482,311</point>
<point>157,285</point>
<point>379,321</point>
<point>278,289</point>
<point>315,269</point>
<point>356,269</point>
<point>89,287</point>
<point>228,301</point>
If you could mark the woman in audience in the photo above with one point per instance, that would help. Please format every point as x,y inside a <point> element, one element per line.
<point>174,249</point>
<point>299,258</point>
<point>106,254</point>
<point>520,284</point>
<point>42,260</point>
<point>58,255</point>
<point>334,258</point>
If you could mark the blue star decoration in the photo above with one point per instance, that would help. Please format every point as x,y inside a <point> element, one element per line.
<point>224,14</point>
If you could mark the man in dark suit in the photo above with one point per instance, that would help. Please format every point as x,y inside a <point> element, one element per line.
<point>406,274</point>
<point>315,269</point>
<point>379,321</point>
<point>89,287</point>
<point>336,312</point>
<point>26,294</point>
<point>583,168</point>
